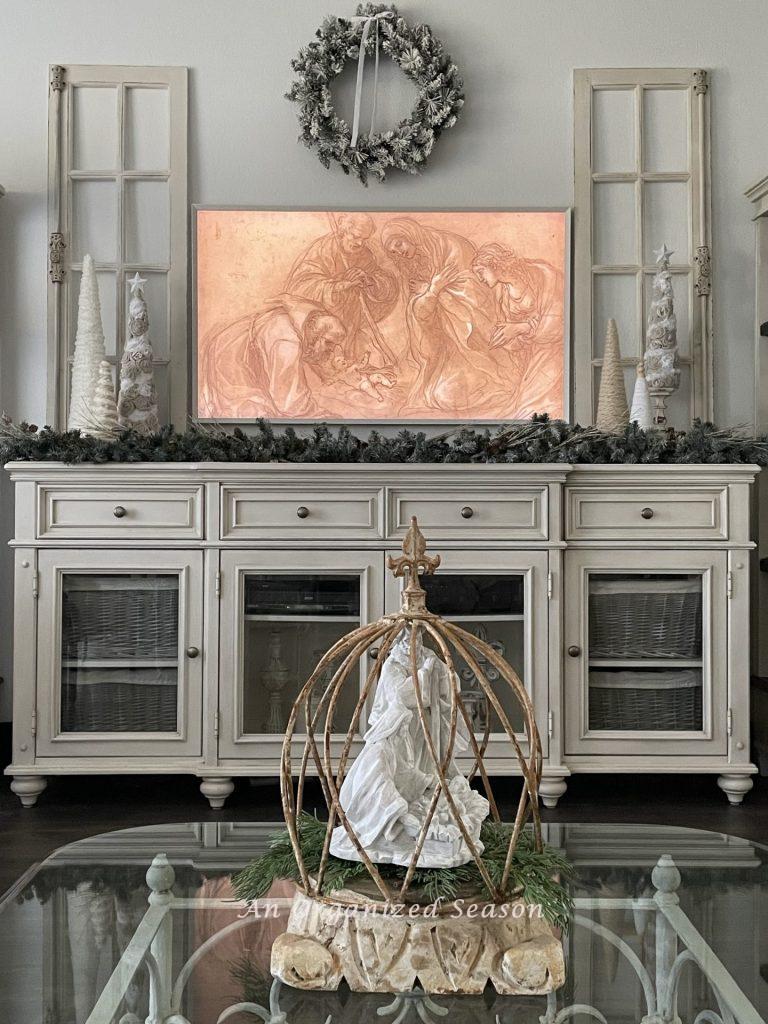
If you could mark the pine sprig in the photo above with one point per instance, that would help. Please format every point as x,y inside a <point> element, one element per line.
<point>538,875</point>
<point>540,440</point>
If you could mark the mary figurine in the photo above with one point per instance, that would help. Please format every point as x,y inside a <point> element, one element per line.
<point>387,794</point>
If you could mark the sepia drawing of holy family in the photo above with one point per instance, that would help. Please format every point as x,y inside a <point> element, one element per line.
<point>381,316</point>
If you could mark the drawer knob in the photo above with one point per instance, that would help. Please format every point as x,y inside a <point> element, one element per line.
<point>374,653</point>
<point>119,511</point>
<point>574,651</point>
<point>302,511</point>
<point>193,652</point>
<point>467,512</point>
<point>647,513</point>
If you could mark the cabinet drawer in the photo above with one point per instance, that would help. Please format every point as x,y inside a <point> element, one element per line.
<point>661,514</point>
<point>130,514</point>
<point>498,512</point>
<point>250,513</point>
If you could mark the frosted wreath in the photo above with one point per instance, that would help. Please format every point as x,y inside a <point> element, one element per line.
<point>423,60</point>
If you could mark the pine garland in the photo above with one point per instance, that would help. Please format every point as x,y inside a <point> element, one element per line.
<point>539,440</point>
<point>422,58</point>
<point>533,872</point>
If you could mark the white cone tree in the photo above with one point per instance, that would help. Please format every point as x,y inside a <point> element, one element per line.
<point>89,350</point>
<point>612,411</point>
<point>641,412</point>
<point>104,409</point>
<point>137,402</point>
<point>661,360</point>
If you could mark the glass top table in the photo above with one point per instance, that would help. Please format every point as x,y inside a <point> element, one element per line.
<point>670,924</point>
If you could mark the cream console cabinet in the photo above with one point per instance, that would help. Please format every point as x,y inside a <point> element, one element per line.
<point>167,615</point>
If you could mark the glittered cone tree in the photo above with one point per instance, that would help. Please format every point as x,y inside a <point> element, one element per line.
<point>437,849</point>
<point>137,401</point>
<point>612,412</point>
<point>89,350</point>
<point>661,357</point>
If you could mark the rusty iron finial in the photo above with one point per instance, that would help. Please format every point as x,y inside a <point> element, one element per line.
<point>413,562</point>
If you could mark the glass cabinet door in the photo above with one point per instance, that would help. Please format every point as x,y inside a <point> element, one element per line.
<point>498,597</point>
<point>642,662</point>
<point>122,650</point>
<point>281,613</point>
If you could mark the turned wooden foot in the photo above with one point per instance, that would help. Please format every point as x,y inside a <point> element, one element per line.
<point>28,788</point>
<point>735,787</point>
<point>551,789</point>
<point>216,790</point>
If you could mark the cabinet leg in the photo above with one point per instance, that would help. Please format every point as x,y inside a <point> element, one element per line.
<point>28,788</point>
<point>734,786</point>
<point>216,790</point>
<point>551,788</point>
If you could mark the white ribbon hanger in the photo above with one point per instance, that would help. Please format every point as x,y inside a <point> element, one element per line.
<point>368,21</point>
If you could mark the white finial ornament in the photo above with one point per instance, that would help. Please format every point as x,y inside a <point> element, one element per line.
<point>663,254</point>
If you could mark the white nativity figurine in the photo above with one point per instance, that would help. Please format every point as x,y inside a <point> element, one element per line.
<point>388,791</point>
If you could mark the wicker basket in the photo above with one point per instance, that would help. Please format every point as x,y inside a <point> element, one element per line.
<point>645,701</point>
<point>121,617</point>
<point>119,700</point>
<point>638,618</point>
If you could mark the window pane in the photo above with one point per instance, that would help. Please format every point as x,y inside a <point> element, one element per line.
<point>679,404</point>
<point>120,650</point>
<point>454,594</point>
<point>302,595</point>
<point>613,130</point>
<point>614,239</point>
<point>105,280</point>
<point>492,608</point>
<point>616,296</point>
<point>147,222</point>
<point>289,622</point>
<point>665,213</point>
<point>94,220</point>
<point>645,651</point>
<point>665,130</point>
<point>147,129</point>
<point>163,390</point>
<point>94,129</point>
<point>156,295</point>
<point>680,287</point>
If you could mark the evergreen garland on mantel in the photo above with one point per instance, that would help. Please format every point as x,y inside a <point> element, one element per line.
<point>538,440</point>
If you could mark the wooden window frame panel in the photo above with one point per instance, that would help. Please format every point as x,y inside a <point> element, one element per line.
<point>698,263</point>
<point>63,80</point>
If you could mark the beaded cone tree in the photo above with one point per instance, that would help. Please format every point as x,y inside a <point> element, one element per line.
<point>502,867</point>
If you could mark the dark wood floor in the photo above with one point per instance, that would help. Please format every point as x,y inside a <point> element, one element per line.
<point>72,808</point>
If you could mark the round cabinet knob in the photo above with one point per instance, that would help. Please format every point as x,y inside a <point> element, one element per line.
<point>193,652</point>
<point>374,653</point>
<point>118,512</point>
<point>302,511</point>
<point>574,651</point>
<point>467,512</point>
<point>647,513</point>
